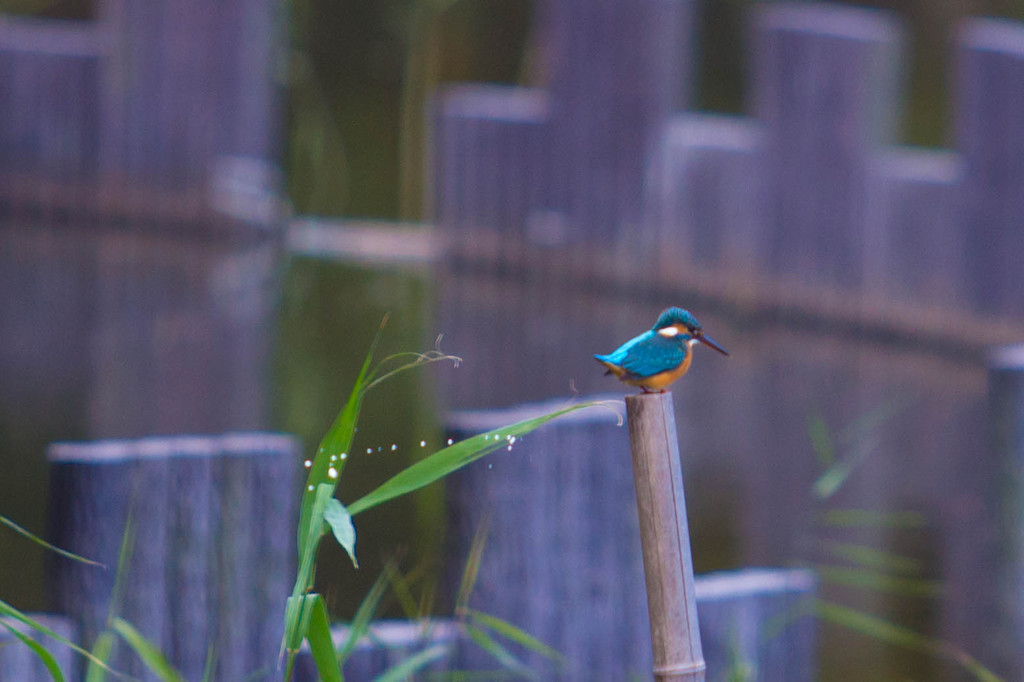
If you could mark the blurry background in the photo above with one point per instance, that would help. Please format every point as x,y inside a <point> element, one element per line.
<point>150,304</point>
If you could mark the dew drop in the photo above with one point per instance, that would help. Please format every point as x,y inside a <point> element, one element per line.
<point>393,447</point>
<point>511,440</point>
<point>450,441</point>
<point>344,455</point>
<point>334,458</point>
<point>307,464</point>
<point>369,451</point>
<point>423,443</point>
<point>332,472</point>
<point>310,488</point>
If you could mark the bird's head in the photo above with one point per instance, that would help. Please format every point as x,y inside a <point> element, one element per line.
<point>681,326</point>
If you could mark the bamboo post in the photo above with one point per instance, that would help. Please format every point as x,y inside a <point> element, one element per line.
<point>665,538</point>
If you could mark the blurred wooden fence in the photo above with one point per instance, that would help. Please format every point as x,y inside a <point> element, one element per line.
<point>562,558</point>
<point>805,207</point>
<point>140,222</point>
<point>849,275</point>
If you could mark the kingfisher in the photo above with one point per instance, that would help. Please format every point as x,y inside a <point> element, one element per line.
<point>660,356</point>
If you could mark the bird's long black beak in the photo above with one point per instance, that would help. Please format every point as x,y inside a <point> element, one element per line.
<point>708,341</point>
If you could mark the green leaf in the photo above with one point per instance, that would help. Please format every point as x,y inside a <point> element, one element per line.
<point>412,665</point>
<point>472,567</point>
<point>891,633</point>
<point>11,612</point>
<point>506,629</point>
<point>872,419</point>
<point>454,457</point>
<point>43,543</point>
<point>338,519</point>
<point>333,451</point>
<point>39,650</point>
<point>364,614</point>
<point>880,582</point>
<point>315,531</point>
<point>400,588</point>
<point>147,651</point>
<point>103,648</point>
<point>498,652</point>
<point>869,518</point>
<point>821,440</point>
<point>320,643</point>
<point>869,557</point>
<point>836,475</point>
<point>298,612</point>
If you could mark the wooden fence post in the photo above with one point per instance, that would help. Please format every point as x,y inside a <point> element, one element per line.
<point>989,82</point>
<point>213,521</point>
<point>757,624</point>
<point>1006,431</point>
<point>668,565</point>
<point>562,556</point>
<point>823,81</point>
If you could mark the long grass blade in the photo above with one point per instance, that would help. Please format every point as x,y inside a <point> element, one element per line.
<point>15,614</point>
<point>320,643</point>
<point>364,614</point>
<point>335,445</point>
<point>869,518</point>
<point>871,420</point>
<point>879,582</point>
<point>43,543</point>
<point>472,567</point>
<point>147,651</point>
<point>454,457</point>
<point>506,629</point>
<point>829,483</point>
<point>414,664</point>
<point>296,612</point>
<point>39,650</point>
<point>872,558</point>
<point>400,588</point>
<point>498,652</point>
<point>821,440</point>
<point>102,650</point>
<point>891,633</point>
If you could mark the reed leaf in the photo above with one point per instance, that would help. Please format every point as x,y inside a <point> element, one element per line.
<point>506,629</point>
<point>364,614</point>
<point>23,618</point>
<point>318,633</point>
<point>498,652</point>
<point>891,633</point>
<point>102,650</point>
<point>39,650</point>
<point>880,582</point>
<point>43,543</point>
<point>454,457</point>
<point>337,517</point>
<point>869,518</point>
<point>147,651</point>
<point>870,557</point>
<point>414,664</point>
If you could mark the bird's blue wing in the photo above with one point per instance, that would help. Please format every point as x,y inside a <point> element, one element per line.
<point>648,354</point>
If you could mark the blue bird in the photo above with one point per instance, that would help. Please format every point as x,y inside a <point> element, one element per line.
<point>660,356</point>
